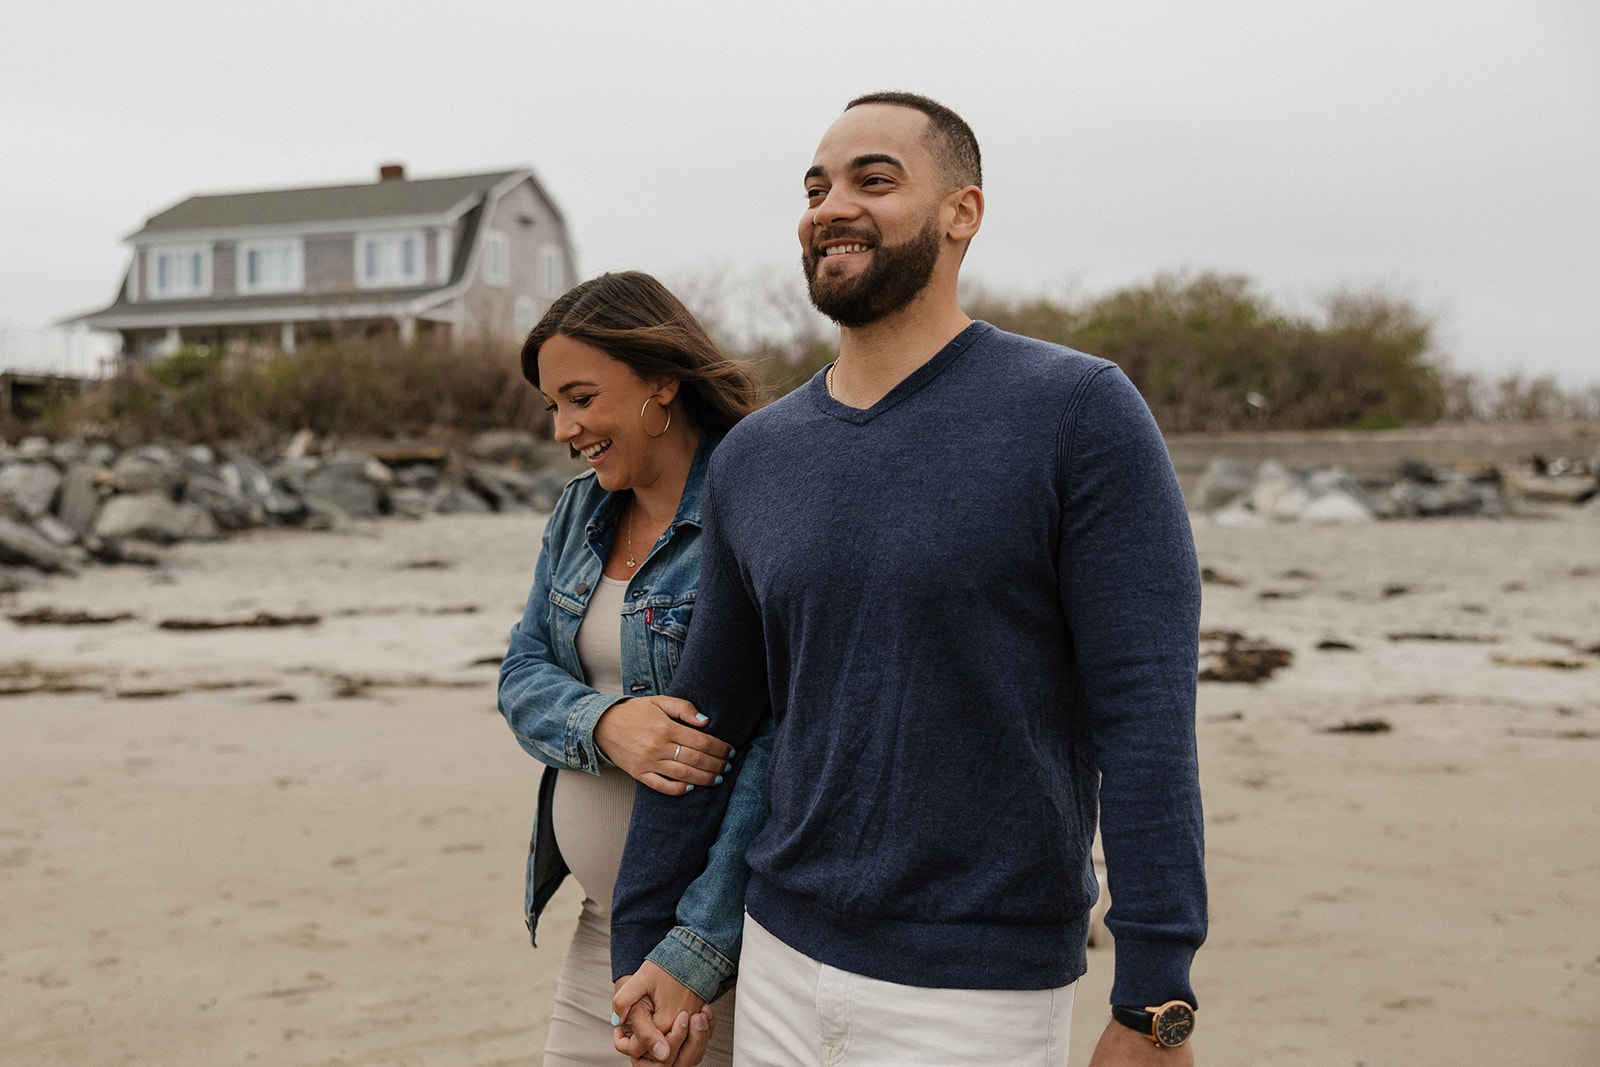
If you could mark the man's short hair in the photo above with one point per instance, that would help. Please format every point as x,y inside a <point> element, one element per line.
<point>956,147</point>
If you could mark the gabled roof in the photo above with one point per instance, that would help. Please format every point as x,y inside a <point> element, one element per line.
<point>397,197</point>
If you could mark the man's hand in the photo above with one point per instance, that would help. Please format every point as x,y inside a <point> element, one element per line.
<point>1121,1047</point>
<point>663,1021</point>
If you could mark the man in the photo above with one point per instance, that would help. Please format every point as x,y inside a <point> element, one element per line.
<point>957,569</point>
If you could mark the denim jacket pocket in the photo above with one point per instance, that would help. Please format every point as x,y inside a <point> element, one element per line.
<point>668,625</point>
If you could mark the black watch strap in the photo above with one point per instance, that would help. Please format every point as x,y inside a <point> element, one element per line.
<point>1137,1019</point>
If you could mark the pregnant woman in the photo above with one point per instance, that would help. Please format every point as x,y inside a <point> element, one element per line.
<point>639,390</point>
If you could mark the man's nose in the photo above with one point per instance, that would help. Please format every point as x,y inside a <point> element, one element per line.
<point>836,206</point>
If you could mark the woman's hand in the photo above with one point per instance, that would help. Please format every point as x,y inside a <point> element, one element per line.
<point>675,1034</point>
<point>658,740</point>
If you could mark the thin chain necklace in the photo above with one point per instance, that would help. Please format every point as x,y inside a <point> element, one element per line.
<point>630,561</point>
<point>827,379</point>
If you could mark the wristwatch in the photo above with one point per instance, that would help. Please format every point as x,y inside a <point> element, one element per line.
<point>1168,1025</point>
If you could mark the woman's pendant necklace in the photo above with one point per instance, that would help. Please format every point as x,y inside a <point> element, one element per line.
<point>630,561</point>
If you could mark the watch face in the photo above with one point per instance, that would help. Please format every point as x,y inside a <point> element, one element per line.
<point>1174,1024</point>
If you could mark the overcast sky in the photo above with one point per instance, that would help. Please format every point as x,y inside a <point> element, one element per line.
<point>1449,151</point>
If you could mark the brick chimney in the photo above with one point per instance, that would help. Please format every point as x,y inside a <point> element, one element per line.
<point>391,172</point>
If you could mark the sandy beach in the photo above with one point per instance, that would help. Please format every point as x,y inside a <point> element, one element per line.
<point>303,843</point>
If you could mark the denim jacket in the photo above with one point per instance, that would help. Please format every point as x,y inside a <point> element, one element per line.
<point>553,713</point>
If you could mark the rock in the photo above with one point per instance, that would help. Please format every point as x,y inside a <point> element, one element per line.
<point>341,489</point>
<point>551,484</point>
<point>152,517</point>
<point>230,509</point>
<point>147,471</point>
<point>30,485</point>
<point>23,546</point>
<point>1337,506</point>
<point>16,579</point>
<point>33,448</point>
<point>452,498</point>
<point>82,489</point>
<point>1455,497</point>
<point>1224,481</point>
<point>1272,480</point>
<point>503,487</point>
<point>251,480</point>
<point>198,459</point>
<point>1238,513</point>
<point>54,530</point>
<point>516,447</point>
<point>299,445</point>
<point>410,502</point>
<point>1554,488</point>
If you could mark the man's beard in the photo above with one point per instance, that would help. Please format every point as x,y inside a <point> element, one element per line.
<point>897,274</point>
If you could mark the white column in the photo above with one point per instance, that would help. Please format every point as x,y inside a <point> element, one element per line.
<point>286,337</point>
<point>408,329</point>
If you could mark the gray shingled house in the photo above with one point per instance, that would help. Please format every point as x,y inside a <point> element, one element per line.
<point>479,255</point>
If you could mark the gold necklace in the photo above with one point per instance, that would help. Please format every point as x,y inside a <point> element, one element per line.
<point>630,561</point>
<point>827,379</point>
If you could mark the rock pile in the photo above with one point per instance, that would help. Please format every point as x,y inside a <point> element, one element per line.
<point>63,504</point>
<point>1234,493</point>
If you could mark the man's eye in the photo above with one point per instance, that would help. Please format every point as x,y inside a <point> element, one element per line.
<point>812,194</point>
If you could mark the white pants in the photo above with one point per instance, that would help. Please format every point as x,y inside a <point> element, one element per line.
<point>796,1012</point>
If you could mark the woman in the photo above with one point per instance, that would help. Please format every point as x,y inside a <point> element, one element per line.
<point>639,390</point>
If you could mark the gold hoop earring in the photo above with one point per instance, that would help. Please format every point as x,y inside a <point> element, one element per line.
<point>664,429</point>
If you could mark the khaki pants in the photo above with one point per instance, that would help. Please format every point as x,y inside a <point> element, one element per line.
<point>796,1012</point>
<point>580,1021</point>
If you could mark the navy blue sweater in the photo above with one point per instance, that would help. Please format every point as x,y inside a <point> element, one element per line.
<point>973,610</point>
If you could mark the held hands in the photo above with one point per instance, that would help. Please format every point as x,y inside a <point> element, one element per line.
<point>644,1035</point>
<point>660,742</point>
<point>1121,1047</point>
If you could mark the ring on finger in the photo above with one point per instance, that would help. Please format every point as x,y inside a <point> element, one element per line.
<point>675,753</point>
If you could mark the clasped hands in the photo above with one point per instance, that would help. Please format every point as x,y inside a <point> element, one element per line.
<point>659,1020</point>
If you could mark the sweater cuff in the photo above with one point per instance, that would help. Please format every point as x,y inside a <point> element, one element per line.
<point>705,971</point>
<point>1150,973</point>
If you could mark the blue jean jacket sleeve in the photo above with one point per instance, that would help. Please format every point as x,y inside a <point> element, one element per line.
<point>702,951</point>
<point>549,709</point>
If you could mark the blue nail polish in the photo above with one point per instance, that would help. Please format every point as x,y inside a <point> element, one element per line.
<point>726,767</point>
<point>718,781</point>
<point>732,752</point>
<point>688,789</point>
<point>702,718</point>
<point>614,1020</point>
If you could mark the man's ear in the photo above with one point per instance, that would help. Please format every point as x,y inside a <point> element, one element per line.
<point>965,207</point>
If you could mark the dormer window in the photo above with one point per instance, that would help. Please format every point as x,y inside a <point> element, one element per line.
<point>271,266</point>
<point>386,260</point>
<point>179,271</point>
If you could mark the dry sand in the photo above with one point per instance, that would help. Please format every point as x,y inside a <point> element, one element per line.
<point>303,845</point>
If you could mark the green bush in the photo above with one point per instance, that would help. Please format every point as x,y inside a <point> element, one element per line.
<point>1209,352</point>
<point>344,388</point>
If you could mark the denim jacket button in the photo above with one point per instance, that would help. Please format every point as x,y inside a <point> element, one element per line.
<point>582,588</point>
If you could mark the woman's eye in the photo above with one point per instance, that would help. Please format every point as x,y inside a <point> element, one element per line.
<point>581,401</point>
